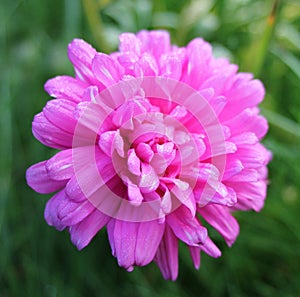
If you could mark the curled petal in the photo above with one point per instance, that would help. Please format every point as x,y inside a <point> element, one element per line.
<point>187,227</point>
<point>65,87</point>
<point>38,179</point>
<point>49,134</point>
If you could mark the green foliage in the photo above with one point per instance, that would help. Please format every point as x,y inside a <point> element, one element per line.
<point>36,260</point>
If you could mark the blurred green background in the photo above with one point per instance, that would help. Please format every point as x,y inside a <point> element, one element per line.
<point>37,260</point>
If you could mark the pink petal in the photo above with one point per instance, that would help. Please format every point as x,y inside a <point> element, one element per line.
<point>51,214</point>
<point>144,152</point>
<point>49,134</point>
<point>71,213</point>
<point>221,219</point>
<point>134,163</point>
<point>134,194</point>
<point>83,232</point>
<point>146,66</point>
<point>249,94</point>
<point>130,43</point>
<point>195,255</point>
<point>250,195</point>
<point>149,180</point>
<point>60,166</point>
<point>106,141</point>
<point>182,191</point>
<point>106,70</point>
<point>210,248</point>
<point>186,227</point>
<point>81,55</point>
<point>166,257</point>
<point>65,87</point>
<point>155,42</point>
<point>148,239</point>
<point>170,65</point>
<point>196,68</point>
<point>38,179</point>
<point>60,113</point>
<point>123,237</point>
<point>246,121</point>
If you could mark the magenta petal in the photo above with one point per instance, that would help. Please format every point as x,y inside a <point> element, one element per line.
<point>155,42</point>
<point>146,66</point>
<point>148,239</point>
<point>186,227</point>
<point>250,195</point>
<point>106,69</point>
<point>106,141</point>
<point>210,248</point>
<point>51,213</point>
<point>195,255</point>
<point>60,166</point>
<point>135,243</point>
<point>81,55</point>
<point>60,113</point>
<point>134,163</point>
<point>221,219</point>
<point>166,257</point>
<point>38,179</point>
<point>122,237</point>
<point>171,66</point>
<point>134,194</point>
<point>71,213</point>
<point>83,232</point>
<point>65,87</point>
<point>130,43</point>
<point>49,134</point>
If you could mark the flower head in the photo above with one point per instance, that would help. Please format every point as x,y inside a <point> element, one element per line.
<point>154,139</point>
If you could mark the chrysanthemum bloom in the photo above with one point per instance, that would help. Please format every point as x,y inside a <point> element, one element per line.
<point>154,140</point>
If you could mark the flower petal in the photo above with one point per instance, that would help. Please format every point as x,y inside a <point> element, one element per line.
<point>106,69</point>
<point>186,227</point>
<point>81,55</point>
<point>166,257</point>
<point>83,232</point>
<point>60,166</point>
<point>221,219</point>
<point>49,134</point>
<point>39,180</point>
<point>51,214</point>
<point>65,87</point>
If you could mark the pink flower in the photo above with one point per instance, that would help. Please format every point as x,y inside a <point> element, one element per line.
<point>154,139</point>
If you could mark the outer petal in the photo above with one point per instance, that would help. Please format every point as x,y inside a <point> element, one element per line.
<point>221,219</point>
<point>186,227</point>
<point>250,195</point>
<point>106,69</point>
<point>154,42</point>
<point>71,213</point>
<point>134,243</point>
<point>81,55</point>
<point>61,114</point>
<point>51,213</point>
<point>39,180</point>
<point>60,166</point>
<point>49,134</point>
<point>166,257</point>
<point>83,232</point>
<point>65,87</point>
